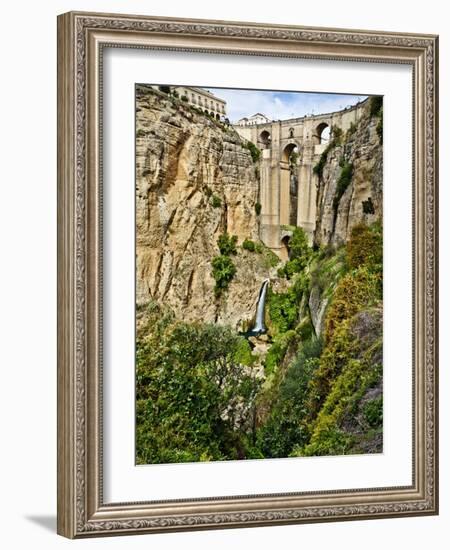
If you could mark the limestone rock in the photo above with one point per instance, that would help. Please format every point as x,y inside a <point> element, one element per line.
<point>362,201</point>
<point>194,181</point>
<point>317,307</point>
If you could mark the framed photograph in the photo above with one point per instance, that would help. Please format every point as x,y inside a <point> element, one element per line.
<point>247,287</point>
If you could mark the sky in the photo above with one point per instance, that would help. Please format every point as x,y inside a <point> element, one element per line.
<point>281,105</point>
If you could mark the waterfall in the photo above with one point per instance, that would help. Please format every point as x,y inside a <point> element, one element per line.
<point>259,323</point>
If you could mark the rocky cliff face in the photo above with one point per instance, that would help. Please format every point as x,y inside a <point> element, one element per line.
<point>195,180</point>
<point>343,204</point>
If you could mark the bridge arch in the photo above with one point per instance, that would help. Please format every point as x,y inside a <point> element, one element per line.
<point>265,139</point>
<point>285,250</point>
<point>288,149</point>
<point>322,133</point>
<point>288,184</point>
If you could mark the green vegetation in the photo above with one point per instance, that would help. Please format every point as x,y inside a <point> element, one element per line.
<point>336,140</point>
<point>336,135</point>
<point>223,268</point>
<point>312,383</point>
<point>227,244</point>
<point>251,246</point>
<point>356,378</point>
<point>299,254</point>
<point>330,413</point>
<point>223,272</point>
<point>368,207</point>
<point>373,412</point>
<point>254,150</point>
<point>284,429</point>
<point>318,168</point>
<point>216,201</point>
<point>366,247</point>
<point>270,259</point>
<point>344,180</point>
<point>376,110</point>
<point>376,105</point>
<point>195,391</point>
<point>351,130</point>
<point>199,397</point>
<point>293,159</point>
<point>283,307</point>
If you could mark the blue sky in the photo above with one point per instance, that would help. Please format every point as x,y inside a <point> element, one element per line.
<point>281,105</point>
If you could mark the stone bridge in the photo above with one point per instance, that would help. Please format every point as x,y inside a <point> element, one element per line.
<point>289,151</point>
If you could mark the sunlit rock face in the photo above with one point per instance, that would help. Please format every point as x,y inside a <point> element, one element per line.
<point>194,181</point>
<point>362,200</point>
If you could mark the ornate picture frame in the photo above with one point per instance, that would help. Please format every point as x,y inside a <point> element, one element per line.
<point>82,38</point>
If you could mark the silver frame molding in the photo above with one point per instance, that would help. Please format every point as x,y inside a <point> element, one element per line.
<point>81,38</point>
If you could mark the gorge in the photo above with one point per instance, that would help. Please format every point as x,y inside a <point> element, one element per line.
<point>227,245</point>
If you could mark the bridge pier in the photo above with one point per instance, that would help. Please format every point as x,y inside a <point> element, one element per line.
<point>270,202</point>
<point>277,139</point>
<point>285,193</point>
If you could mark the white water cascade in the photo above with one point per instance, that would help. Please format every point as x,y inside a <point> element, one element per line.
<point>259,322</point>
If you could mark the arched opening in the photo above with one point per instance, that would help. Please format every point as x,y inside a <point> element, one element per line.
<point>265,139</point>
<point>291,132</point>
<point>290,153</point>
<point>217,116</point>
<point>285,250</point>
<point>322,134</point>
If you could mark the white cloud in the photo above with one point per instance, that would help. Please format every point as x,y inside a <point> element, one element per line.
<point>279,105</point>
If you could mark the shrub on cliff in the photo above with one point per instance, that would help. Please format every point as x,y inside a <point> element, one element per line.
<point>249,245</point>
<point>216,202</point>
<point>318,168</point>
<point>255,152</point>
<point>336,135</point>
<point>356,290</point>
<point>223,272</point>
<point>227,244</point>
<point>365,247</point>
<point>328,436</point>
<point>344,180</point>
<point>336,140</point>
